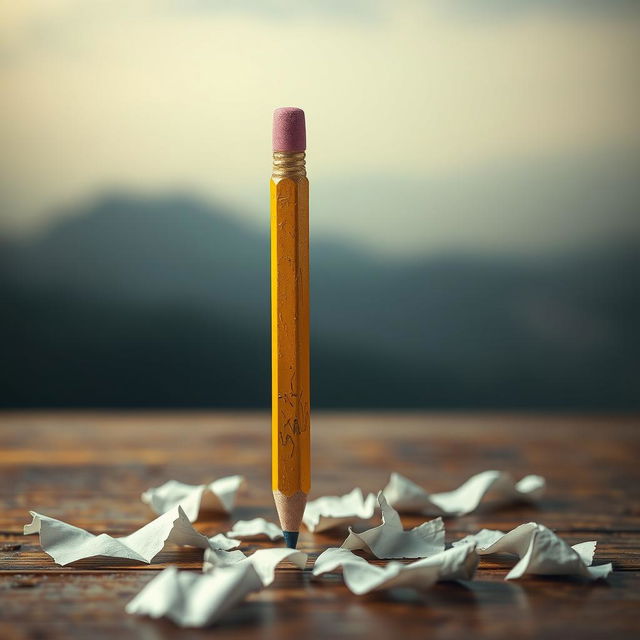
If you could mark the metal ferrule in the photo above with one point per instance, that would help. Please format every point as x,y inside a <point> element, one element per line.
<point>288,164</point>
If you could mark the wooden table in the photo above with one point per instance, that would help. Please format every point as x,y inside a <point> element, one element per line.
<point>90,468</point>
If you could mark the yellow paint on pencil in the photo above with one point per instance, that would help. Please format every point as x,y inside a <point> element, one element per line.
<point>290,324</point>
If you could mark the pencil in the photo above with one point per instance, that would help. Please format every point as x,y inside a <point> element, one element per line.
<point>290,321</point>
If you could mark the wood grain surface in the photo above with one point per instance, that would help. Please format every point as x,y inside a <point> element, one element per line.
<point>89,469</point>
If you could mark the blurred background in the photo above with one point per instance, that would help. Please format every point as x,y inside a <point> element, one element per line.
<point>475,184</point>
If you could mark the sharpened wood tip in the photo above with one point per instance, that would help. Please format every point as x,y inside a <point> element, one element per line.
<point>291,538</point>
<point>290,511</point>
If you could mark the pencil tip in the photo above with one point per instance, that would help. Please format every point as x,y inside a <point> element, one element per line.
<point>290,538</point>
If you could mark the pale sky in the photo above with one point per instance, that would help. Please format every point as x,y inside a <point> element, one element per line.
<point>429,123</point>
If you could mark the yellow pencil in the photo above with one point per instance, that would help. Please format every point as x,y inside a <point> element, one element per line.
<point>290,321</point>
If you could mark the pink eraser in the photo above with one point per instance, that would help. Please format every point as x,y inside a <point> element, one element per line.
<point>289,131</point>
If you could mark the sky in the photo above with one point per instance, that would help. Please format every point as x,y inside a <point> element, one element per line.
<point>431,125</point>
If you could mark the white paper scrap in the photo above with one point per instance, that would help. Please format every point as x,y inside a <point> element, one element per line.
<point>256,528</point>
<point>389,540</point>
<point>220,558</point>
<point>195,599</point>
<point>406,496</point>
<point>200,599</point>
<point>541,552</point>
<point>219,495</point>
<point>220,541</point>
<point>483,539</point>
<point>328,512</point>
<point>66,543</point>
<point>265,561</point>
<point>457,563</point>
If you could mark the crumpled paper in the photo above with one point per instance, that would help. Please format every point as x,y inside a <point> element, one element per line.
<point>218,495</point>
<point>256,528</point>
<point>389,540</point>
<point>328,512</point>
<point>220,558</point>
<point>457,563</point>
<point>406,496</point>
<point>541,552</point>
<point>200,599</point>
<point>66,543</point>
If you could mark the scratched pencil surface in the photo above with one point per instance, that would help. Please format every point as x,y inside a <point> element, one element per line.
<point>290,332</point>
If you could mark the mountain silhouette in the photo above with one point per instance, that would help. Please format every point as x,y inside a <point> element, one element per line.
<point>164,301</point>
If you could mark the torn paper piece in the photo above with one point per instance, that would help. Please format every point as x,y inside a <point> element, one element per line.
<point>457,563</point>
<point>541,552</point>
<point>483,539</point>
<point>389,540</point>
<point>66,543</point>
<point>200,599</point>
<point>195,599</point>
<point>256,528</point>
<point>219,495</point>
<point>265,561</point>
<point>333,511</point>
<point>406,496</point>
<point>220,558</point>
<point>220,541</point>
